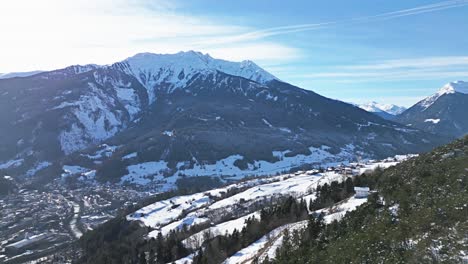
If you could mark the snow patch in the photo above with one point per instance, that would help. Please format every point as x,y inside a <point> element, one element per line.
<point>145,173</point>
<point>130,156</point>
<point>434,121</point>
<point>39,166</point>
<point>11,163</point>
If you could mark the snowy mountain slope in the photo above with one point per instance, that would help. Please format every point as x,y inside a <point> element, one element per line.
<point>224,125</point>
<point>443,113</point>
<point>184,113</point>
<point>172,71</point>
<point>54,113</point>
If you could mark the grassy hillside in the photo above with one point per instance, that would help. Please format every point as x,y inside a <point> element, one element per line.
<point>419,215</point>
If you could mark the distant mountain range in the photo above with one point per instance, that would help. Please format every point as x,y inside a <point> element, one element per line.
<point>154,118</point>
<point>386,111</point>
<point>445,112</point>
<point>18,74</point>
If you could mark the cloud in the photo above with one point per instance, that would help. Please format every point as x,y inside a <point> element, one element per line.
<point>427,68</point>
<point>51,34</point>
<point>428,62</point>
<point>273,31</point>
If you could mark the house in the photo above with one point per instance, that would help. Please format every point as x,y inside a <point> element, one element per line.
<point>361,192</point>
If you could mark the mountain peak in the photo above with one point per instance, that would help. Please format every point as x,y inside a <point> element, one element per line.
<point>177,69</point>
<point>454,87</point>
<point>449,88</point>
<point>376,107</point>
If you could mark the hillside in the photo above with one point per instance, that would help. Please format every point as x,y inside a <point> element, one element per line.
<point>177,226</point>
<point>416,214</point>
<point>419,215</point>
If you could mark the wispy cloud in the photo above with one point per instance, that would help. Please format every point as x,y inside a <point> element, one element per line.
<point>428,62</point>
<point>273,31</point>
<point>427,68</point>
<point>63,32</point>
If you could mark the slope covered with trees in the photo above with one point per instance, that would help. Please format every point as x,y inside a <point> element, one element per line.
<point>419,215</point>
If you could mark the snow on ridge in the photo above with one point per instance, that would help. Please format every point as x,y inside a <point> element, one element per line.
<point>454,87</point>
<point>375,107</point>
<point>152,69</point>
<point>449,88</point>
<point>434,121</point>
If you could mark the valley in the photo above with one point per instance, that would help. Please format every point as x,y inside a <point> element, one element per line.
<point>37,223</point>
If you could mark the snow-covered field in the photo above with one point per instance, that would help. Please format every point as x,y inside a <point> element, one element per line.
<point>265,246</point>
<point>150,172</point>
<point>339,210</point>
<point>199,208</point>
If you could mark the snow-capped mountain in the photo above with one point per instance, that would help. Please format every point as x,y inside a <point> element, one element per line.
<point>443,112</point>
<point>172,71</point>
<point>182,114</point>
<point>392,109</point>
<point>387,111</point>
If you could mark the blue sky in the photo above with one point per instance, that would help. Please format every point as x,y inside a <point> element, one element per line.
<point>395,51</point>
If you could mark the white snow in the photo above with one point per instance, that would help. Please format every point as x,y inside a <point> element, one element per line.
<point>39,166</point>
<point>225,167</point>
<point>228,227</point>
<point>103,151</point>
<point>185,260</point>
<point>130,156</point>
<point>338,211</point>
<point>177,212</point>
<point>375,107</point>
<point>168,133</point>
<point>180,224</point>
<point>434,121</point>
<point>246,255</point>
<point>277,242</point>
<point>296,186</point>
<point>140,173</point>
<point>164,212</point>
<point>11,163</point>
<point>266,122</point>
<point>72,170</point>
<point>449,88</point>
<point>129,99</point>
<point>152,70</point>
<point>92,122</point>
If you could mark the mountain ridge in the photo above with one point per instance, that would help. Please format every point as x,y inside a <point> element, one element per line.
<point>443,112</point>
<point>185,115</point>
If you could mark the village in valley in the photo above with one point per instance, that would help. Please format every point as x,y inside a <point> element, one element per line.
<point>37,223</point>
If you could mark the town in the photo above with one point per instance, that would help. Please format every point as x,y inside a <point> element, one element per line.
<point>37,223</point>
